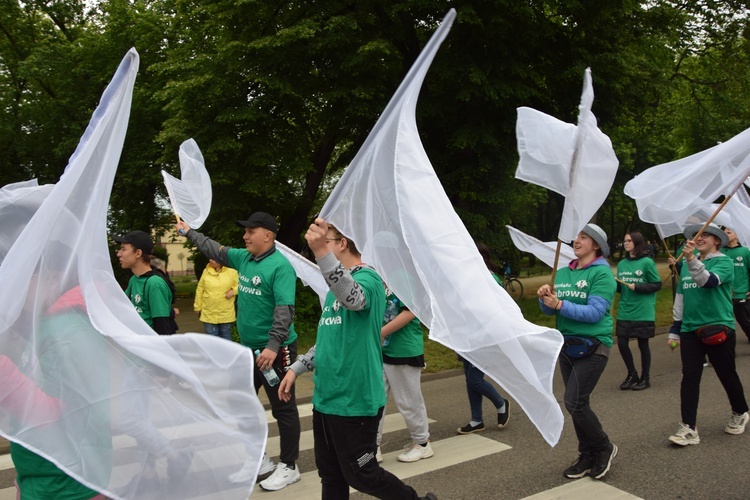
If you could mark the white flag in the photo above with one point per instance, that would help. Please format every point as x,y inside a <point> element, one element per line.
<point>542,250</point>
<point>576,162</point>
<point>191,195</point>
<point>92,388</point>
<point>670,193</point>
<point>308,272</point>
<point>391,203</point>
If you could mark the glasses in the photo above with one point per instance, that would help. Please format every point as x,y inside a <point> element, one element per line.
<point>628,241</point>
<point>333,239</point>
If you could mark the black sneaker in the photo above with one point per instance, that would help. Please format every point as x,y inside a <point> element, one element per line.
<point>502,418</point>
<point>643,384</point>
<point>629,382</point>
<point>603,461</point>
<point>580,467</point>
<point>468,428</point>
<point>428,496</point>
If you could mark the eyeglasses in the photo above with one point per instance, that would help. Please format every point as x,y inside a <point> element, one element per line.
<point>628,241</point>
<point>333,239</point>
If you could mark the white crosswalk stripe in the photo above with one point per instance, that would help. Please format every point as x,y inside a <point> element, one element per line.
<point>448,452</point>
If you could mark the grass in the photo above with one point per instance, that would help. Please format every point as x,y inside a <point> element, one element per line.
<point>437,356</point>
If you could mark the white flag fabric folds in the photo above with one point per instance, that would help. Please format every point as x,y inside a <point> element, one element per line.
<point>670,193</point>
<point>542,250</point>
<point>191,194</point>
<point>577,162</point>
<point>308,272</point>
<point>87,384</point>
<point>391,203</point>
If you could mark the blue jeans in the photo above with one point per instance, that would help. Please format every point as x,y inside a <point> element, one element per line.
<point>476,387</point>
<point>580,376</point>
<point>223,330</point>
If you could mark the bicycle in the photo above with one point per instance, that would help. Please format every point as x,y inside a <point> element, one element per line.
<point>511,284</point>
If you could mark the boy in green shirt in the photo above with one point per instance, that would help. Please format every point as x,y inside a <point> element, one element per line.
<point>349,396</point>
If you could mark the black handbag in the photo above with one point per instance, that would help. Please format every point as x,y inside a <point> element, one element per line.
<point>580,347</point>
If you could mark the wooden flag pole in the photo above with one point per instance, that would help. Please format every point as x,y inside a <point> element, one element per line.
<point>557,260</point>
<point>709,221</point>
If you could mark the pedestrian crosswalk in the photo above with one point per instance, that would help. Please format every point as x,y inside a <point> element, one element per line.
<point>448,453</point>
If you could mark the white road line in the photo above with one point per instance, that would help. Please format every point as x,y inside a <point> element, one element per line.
<point>393,422</point>
<point>584,488</point>
<point>448,452</point>
<point>6,462</point>
<point>304,411</point>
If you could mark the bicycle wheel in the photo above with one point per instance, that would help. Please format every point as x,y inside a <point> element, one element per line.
<point>514,288</point>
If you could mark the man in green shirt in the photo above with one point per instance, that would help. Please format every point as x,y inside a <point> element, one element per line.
<point>349,396</point>
<point>741,285</point>
<point>265,312</point>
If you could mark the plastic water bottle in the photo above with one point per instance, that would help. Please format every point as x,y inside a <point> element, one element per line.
<point>269,373</point>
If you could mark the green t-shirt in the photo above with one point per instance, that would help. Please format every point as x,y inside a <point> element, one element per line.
<point>637,306</point>
<point>348,359</point>
<point>151,297</point>
<point>65,343</point>
<point>707,306</point>
<point>263,286</point>
<point>406,342</point>
<point>575,285</point>
<point>741,257</point>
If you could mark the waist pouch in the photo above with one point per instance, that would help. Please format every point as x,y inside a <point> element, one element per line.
<point>713,334</point>
<point>580,347</point>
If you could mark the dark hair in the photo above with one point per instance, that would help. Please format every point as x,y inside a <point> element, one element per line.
<point>639,244</point>
<point>484,251</point>
<point>349,243</point>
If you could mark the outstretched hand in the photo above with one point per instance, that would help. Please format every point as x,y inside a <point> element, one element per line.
<point>285,387</point>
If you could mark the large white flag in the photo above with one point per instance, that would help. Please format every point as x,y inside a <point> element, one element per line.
<point>542,250</point>
<point>191,194</point>
<point>670,193</point>
<point>87,384</point>
<point>577,162</point>
<point>391,203</point>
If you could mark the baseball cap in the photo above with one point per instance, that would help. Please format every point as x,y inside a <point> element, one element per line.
<point>260,219</point>
<point>140,241</point>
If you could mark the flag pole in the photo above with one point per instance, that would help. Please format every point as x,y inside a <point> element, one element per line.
<point>557,260</point>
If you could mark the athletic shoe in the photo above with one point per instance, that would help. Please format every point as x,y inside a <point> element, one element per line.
<point>428,496</point>
<point>266,466</point>
<point>685,436</point>
<point>414,452</point>
<point>579,468</point>
<point>629,382</point>
<point>378,455</point>
<point>282,477</point>
<point>468,428</point>
<point>502,418</point>
<point>643,384</point>
<point>737,423</point>
<point>603,461</point>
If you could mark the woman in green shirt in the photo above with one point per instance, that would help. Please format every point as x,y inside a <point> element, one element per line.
<point>581,300</point>
<point>703,306</point>
<point>638,283</point>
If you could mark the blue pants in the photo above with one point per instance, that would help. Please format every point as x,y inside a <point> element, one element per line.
<point>580,376</point>
<point>223,330</point>
<point>476,387</point>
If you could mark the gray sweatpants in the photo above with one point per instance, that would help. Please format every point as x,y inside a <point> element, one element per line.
<point>403,381</point>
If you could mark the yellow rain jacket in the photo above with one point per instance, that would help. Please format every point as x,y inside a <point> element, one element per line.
<point>210,296</point>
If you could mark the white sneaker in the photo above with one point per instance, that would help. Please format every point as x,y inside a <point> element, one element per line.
<point>266,465</point>
<point>414,452</point>
<point>737,423</point>
<point>282,477</point>
<point>685,436</point>
<point>378,455</point>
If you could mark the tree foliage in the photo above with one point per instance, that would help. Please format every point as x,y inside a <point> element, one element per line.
<point>279,96</point>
